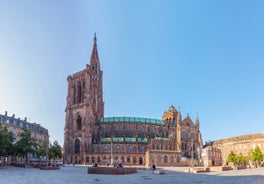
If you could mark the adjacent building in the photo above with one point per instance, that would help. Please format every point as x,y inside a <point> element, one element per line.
<point>16,125</point>
<point>211,156</point>
<point>239,144</point>
<point>90,137</point>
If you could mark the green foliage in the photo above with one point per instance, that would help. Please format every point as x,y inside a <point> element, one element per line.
<point>43,149</point>
<point>232,157</point>
<point>25,144</point>
<point>257,155</point>
<point>240,159</point>
<point>249,155</point>
<point>6,142</point>
<point>55,151</point>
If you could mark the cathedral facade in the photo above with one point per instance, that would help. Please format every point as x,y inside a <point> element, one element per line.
<point>90,137</point>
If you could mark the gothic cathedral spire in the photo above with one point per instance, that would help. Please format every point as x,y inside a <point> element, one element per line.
<point>94,60</point>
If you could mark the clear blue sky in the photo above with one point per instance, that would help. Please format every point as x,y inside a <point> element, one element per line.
<point>204,56</point>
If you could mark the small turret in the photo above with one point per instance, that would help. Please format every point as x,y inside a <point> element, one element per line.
<point>179,117</point>
<point>178,130</point>
<point>197,123</point>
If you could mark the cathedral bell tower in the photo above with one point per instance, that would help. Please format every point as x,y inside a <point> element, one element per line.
<point>84,107</point>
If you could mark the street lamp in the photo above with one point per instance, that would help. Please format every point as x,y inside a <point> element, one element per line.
<point>192,153</point>
<point>112,160</point>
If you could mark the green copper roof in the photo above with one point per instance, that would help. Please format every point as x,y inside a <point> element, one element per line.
<point>162,139</point>
<point>126,139</point>
<point>130,139</point>
<point>131,120</point>
<point>145,140</point>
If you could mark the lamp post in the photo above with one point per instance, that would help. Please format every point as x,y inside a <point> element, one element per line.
<point>192,154</point>
<point>46,152</point>
<point>111,161</point>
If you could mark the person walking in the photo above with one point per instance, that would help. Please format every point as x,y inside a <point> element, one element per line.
<point>153,168</point>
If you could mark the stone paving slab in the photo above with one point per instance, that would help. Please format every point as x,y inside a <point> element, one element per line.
<point>78,175</point>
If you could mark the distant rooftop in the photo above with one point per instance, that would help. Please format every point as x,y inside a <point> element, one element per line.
<point>257,135</point>
<point>11,120</point>
<point>131,120</point>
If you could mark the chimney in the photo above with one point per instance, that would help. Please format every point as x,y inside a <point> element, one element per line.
<point>5,113</point>
<point>25,119</point>
<point>13,116</point>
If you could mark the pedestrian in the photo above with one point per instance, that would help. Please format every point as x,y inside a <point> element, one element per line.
<point>153,167</point>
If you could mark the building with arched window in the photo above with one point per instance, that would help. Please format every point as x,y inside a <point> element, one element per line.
<point>91,137</point>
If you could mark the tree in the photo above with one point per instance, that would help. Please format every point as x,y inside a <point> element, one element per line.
<point>249,155</point>
<point>240,159</point>
<point>25,144</point>
<point>55,151</point>
<point>232,157</point>
<point>6,142</point>
<point>43,149</point>
<point>257,155</point>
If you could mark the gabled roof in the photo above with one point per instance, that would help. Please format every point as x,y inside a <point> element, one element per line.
<point>188,121</point>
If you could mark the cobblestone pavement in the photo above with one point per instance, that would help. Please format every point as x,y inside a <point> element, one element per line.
<point>78,175</point>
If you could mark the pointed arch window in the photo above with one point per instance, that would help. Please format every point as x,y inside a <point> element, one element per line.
<point>184,134</point>
<point>128,159</point>
<point>192,136</point>
<point>178,159</point>
<point>159,159</point>
<point>118,149</point>
<point>140,132</point>
<point>95,137</point>
<point>151,133</point>
<point>152,158</point>
<point>130,149</point>
<point>134,160</point>
<point>79,92</point>
<point>83,85</point>
<point>95,148</point>
<point>141,149</point>
<point>79,123</point>
<point>77,146</point>
<point>106,149</point>
<point>165,159</point>
<point>129,132</point>
<point>161,133</point>
<point>118,132</point>
<point>171,159</point>
<point>74,95</point>
<point>140,160</point>
<point>107,132</point>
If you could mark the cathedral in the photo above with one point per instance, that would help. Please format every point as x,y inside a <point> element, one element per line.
<point>89,137</point>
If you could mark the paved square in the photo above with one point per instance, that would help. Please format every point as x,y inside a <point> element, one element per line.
<point>78,175</point>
